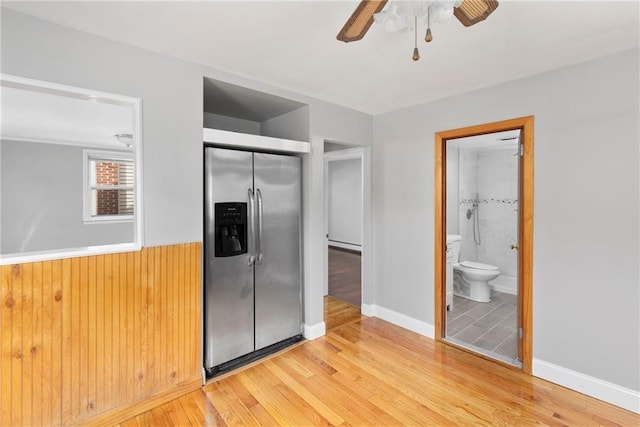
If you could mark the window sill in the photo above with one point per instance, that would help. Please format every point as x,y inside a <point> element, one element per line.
<point>68,253</point>
<point>108,220</point>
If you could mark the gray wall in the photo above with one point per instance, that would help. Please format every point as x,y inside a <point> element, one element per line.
<point>42,190</point>
<point>586,187</point>
<point>586,294</point>
<point>233,124</point>
<point>172,119</point>
<point>172,93</point>
<point>340,124</point>
<point>345,201</point>
<point>293,125</point>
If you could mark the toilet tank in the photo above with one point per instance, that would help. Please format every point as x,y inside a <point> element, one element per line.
<point>453,243</point>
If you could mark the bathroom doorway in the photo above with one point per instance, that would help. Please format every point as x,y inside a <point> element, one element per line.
<point>483,251</point>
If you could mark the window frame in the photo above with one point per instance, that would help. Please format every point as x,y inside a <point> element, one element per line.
<point>87,199</point>
<point>137,239</point>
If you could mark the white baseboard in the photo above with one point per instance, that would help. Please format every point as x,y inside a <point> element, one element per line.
<point>368,310</point>
<point>311,332</point>
<point>594,387</point>
<point>504,289</point>
<point>505,284</point>
<point>399,319</point>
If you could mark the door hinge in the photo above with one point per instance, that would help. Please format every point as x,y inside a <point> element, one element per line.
<point>520,333</point>
<point>521,149</point>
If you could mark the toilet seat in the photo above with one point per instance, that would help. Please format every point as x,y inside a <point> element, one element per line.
<point>478,265</point>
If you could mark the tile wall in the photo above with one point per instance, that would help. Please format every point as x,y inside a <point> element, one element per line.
<point>492,173</point>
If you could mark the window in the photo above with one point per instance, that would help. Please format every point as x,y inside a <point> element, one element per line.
<point>109,186</point>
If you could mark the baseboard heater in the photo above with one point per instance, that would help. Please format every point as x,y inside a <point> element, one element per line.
<point>345,245</point>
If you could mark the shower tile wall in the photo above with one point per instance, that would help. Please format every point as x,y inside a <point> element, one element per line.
<point>492,173</point>
<point>468,182</point>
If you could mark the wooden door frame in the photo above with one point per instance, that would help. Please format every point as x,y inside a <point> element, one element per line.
<point>525,227</point>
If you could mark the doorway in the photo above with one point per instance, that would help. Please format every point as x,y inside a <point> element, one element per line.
<point>343,226</point>
<point>484,212</point>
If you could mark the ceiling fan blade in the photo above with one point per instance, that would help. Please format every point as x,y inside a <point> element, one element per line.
<point>360,20</point>
<point>471,12</point>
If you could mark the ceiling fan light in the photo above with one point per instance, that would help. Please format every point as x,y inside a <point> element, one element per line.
<point>471,12</point>
<point>441,11</point>
<point>428,37</point>
<point>416,54</point>
<point>124,138</point>
<point>361,19</point>
<point>417,8</point>
<point>391,21</point>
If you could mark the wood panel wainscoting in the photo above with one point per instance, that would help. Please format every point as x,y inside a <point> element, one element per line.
<point>99,338</point>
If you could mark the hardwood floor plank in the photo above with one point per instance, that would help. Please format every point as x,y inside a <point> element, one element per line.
<point>193,412</point>
<point>337,313</point>
<point>398,405</point>
<point>366,371</point>
<point>279,408</point>
<point>211,415</point>
<point>241,392</point>
<point>227,403</point>
<point>485,401</point>
<point>357,405</point>
<point>407,381</point>
<point>298,387</point>
<point>157,418</point>
<point>314,417</point>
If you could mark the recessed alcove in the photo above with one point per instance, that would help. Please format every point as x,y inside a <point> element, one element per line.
<point>239,109</point>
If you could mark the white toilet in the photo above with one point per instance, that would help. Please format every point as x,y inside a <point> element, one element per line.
<point>471,279</point>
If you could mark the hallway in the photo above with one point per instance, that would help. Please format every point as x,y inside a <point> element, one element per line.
<point>345,275</point>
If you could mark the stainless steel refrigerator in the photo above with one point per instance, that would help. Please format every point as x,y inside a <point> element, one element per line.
<point>253,294</point>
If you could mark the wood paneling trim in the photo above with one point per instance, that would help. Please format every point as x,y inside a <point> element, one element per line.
<point>145,404</point>
<point>99,336</point>
<point>439,236</point>
<point>525,254</point>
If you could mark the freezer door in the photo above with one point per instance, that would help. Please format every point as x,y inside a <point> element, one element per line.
<point>277,272</point>
<point>229,312</point>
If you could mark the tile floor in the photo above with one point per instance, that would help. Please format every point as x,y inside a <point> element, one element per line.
<point>487,327</point>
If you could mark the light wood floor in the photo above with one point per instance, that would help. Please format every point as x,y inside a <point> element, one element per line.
<point>366,371</point>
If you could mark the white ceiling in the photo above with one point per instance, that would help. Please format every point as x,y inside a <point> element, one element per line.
<point>293,44</point>
<point>56,117</point>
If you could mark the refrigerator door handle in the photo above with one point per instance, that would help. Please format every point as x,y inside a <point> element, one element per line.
<point>252,227</point>
<point>259,248</point>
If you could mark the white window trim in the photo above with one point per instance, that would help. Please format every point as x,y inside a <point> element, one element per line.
<point>138,229</point>
<point>87,187</point>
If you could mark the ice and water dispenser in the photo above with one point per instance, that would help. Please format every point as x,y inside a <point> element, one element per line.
<point>231,229</point>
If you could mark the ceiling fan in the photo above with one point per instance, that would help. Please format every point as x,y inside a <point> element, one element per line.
<point>468,12</point>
